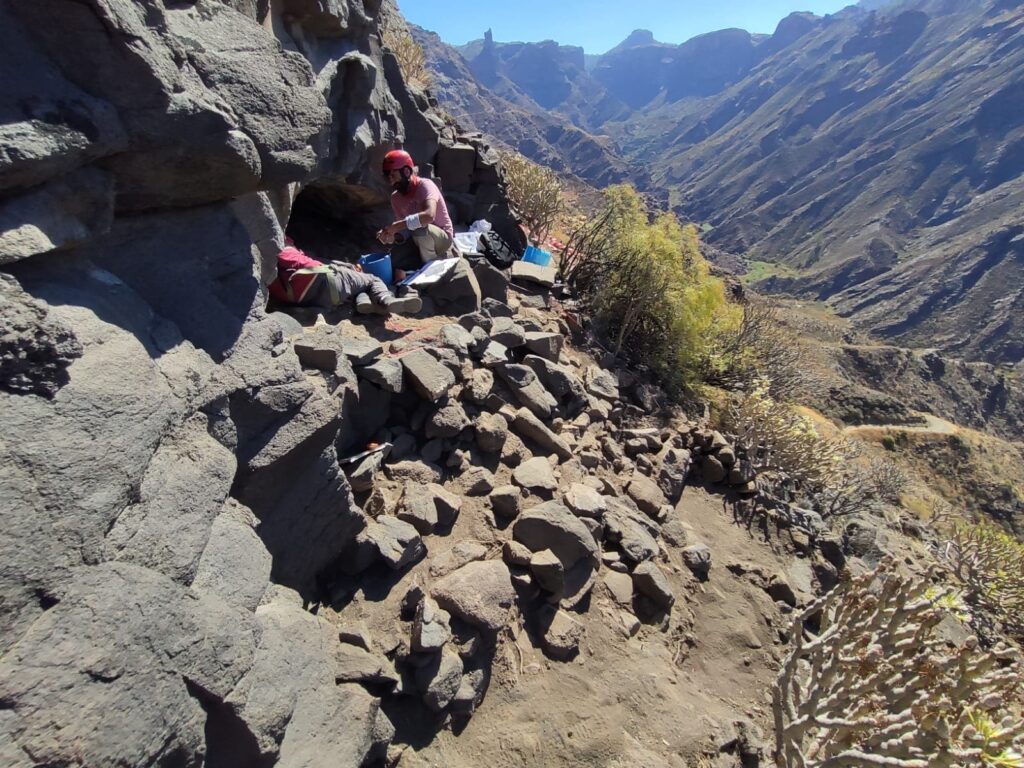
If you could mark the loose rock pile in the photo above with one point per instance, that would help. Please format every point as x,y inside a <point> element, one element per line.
<point>577,487</point>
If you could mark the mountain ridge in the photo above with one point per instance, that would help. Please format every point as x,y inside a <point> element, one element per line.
<point>510,115</point>
<point>876,154</point>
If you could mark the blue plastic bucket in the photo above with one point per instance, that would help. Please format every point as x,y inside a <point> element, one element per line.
<point>536,256</point>
<point>378,264</point>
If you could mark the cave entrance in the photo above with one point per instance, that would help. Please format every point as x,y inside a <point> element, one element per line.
<point>337,222</point>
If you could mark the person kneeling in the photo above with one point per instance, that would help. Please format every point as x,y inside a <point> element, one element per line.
<point>306,282</point>
<point>422,230</point>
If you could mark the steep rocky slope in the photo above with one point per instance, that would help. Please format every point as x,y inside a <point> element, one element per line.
<point>501,108</point>
<point>197,571</point>
<point>180,535</point>
<point>880,157</point>
<point>876,155</point>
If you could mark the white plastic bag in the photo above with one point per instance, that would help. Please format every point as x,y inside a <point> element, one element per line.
<point>468,242</point>
<point>480,226</point>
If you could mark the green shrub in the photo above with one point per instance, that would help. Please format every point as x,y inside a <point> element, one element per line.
<point>649,292</point>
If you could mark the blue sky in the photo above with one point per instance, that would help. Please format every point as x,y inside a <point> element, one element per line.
<point>598,25</point>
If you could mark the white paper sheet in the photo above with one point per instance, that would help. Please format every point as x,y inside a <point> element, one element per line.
<point>434,271</point>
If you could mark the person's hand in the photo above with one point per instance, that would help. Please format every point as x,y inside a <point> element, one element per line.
<point>399,275</point>
<point>385,236</point>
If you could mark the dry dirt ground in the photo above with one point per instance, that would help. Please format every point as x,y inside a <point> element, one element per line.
<point>649,700</point>
<point>666,695</point>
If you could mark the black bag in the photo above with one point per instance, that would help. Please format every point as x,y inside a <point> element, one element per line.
<point>497,251</point>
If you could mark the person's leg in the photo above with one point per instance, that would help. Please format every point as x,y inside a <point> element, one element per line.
<point>372,295</point>
<point>432,242</point>
<point>405,256</point>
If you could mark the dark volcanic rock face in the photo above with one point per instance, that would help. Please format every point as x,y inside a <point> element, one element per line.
<point>170,482</point>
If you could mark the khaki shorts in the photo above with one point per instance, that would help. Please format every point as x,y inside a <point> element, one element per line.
<point>426,244</point>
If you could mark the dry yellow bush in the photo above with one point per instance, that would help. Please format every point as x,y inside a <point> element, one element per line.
<point>534,192</point>
<point>411,59</point>
<point>776,439</point>
<point>990,565</point>
<point>779,442</point>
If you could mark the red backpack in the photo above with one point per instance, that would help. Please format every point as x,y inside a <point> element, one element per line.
<point>297,276</point>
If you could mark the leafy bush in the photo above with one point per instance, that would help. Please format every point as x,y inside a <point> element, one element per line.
<point>534,192</point>
<point>879,685</point>
<point>411,59</point>
<point>648,290</point>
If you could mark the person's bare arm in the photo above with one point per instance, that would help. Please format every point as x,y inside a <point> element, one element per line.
<point>426,217</point>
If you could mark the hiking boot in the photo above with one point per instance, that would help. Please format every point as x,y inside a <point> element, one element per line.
<point>407,305</point>
<point>366,306</point>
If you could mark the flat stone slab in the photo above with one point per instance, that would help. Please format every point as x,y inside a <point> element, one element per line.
<point>447,422</point>
<point>620,587</point>
<point>507,332</point>
<point>651,581</point>
<point>455,337</point>
<point>397,541</point>
<point>461,554</point>
<point>535,474</point>
<point>429,378</point>
<point>361,351</point>
<point>547,345</point>
<point>480,593</point>
<point>646,493</point>
<point>440,680</point>
<point>524,271</point>
<point>356,665</point>
<point>416,471</point>
<point>562,634</point>
<point>532,428</point>
<point>552,526</point>
<point>601,383</point>
<point>633,532</point>
<point>313,353</point>
<point>430,627</point>
<point>506,501</point>
<point>386,374</point>
<point>585,501</point>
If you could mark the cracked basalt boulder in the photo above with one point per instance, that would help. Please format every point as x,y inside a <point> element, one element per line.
<point>170,470</point>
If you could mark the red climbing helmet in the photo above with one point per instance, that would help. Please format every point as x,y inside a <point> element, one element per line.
<point>397,159</point>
